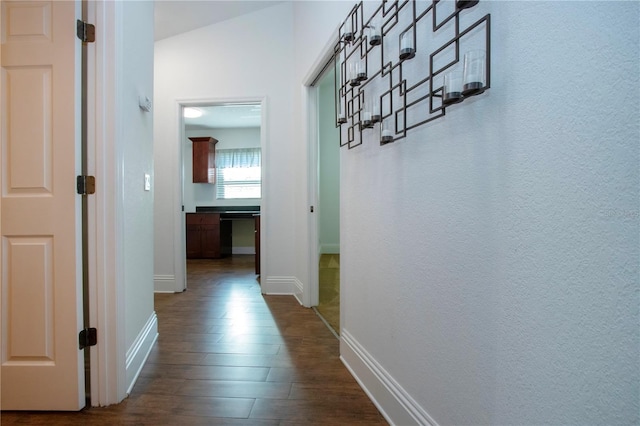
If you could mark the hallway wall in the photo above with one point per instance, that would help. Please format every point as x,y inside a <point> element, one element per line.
<point>136,79</point>
<point>490,275</point>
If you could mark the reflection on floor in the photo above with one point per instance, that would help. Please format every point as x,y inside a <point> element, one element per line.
<point>329,283</point>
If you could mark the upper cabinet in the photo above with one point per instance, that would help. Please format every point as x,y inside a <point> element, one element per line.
<point>204,159</point>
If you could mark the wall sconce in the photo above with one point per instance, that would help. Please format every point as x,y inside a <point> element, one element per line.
<point>359,104</point>
<point>348,34</point>
<point>466,4</point>
<point>375,111</point>
<point>407,49</point>
<point>375,33</point>
<point>473,75</point>
<point>452,88</point>
<point>366,120</point>
<point>353,74</point>
<point>342,118</point>
<point>361,70</point>
<point>385,134</point>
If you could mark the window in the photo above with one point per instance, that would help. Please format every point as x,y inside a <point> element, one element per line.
<point>238,173</point>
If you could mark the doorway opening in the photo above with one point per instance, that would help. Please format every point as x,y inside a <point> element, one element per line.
<point>222,177</point>
<point>328,201</point>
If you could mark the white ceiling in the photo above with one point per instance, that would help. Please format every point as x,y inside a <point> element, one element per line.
<point>173,17</point>
<point>225,116</point>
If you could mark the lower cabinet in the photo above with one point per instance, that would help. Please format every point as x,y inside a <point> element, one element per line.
<point>207,236</point>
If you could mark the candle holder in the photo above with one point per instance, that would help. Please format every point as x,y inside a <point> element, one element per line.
<point>375,111</point>
<point>366,122</point>
<point>353,74</point>
<point>361,70</point>
<point>341,117</point>
<point>385,135</point>
<point>466,4</point>
<point>371,82</point>
<point>473,75</point>
<point>375,33</point>
<point>348,34</point>
<point>452,88</point>
<point>407,49</point>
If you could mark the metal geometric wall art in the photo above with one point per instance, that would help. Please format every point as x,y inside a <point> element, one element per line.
<point>406,63</point>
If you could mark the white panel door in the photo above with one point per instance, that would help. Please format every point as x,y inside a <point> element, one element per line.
<point>41,299</point>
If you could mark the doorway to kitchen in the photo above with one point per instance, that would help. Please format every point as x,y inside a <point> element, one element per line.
<point>222,176</point>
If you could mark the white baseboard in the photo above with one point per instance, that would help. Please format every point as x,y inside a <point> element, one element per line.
<point>298,291</point>
<point>330,248</point>
<point>164,283</point>
<point>279,285</point>
<point>138,352</point>
<point>395,403</point>
<point>243,250</point>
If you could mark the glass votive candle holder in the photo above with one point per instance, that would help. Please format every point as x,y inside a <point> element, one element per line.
<point>375,32</point>
<point>375,111</point>
<point>473,78</point>
<point>366,120</point>
<point>347,33</point>
<point>386,136</point>
<point>341,117</point>
<point>452,88</point>
<point>361,70</point>
<point>407,49</point>
<point>353,74</point>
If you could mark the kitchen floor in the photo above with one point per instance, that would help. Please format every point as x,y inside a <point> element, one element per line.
<point>228,355</point>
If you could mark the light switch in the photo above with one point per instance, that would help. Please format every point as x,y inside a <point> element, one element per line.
<point>147,182</point>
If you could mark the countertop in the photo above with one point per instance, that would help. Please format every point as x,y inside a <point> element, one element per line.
<point>231,212</point>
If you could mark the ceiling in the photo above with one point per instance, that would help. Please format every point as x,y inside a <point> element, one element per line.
<point>225,116</point>
<point>173,17</point>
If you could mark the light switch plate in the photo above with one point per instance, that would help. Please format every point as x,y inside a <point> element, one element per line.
<point>147,182</point>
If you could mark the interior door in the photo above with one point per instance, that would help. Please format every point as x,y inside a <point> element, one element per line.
<point>41,299</point>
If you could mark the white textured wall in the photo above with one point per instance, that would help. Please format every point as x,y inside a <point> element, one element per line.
<point>329,167</point>
<point>136,78</point>
<point>492,270</point>
<point>247,57</point>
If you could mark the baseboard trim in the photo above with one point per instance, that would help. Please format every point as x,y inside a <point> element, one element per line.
<point>279,285</point>
<point>164,283</point>
<point>298,291</point>
<point>139,352</point>
<point>395,403</point>
<point>243,250</point>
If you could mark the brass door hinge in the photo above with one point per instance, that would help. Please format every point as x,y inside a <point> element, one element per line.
<point>86,185</point>
<point>86,31</point>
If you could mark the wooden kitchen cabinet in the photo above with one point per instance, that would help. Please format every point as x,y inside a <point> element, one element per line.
<point>204,159</point>
<point>207,236</point>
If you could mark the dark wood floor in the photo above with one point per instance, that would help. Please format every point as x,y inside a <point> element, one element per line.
<point>227,355</point>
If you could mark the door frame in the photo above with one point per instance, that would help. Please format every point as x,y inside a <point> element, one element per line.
<point>180,238</point>
<point>105,208</point>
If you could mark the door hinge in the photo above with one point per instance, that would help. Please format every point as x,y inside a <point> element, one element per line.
<point>86,185</point>
<point>86,31</point>
<point>87,337</point>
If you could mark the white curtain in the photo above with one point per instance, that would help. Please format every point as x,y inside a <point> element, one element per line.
<point>236,158</point>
